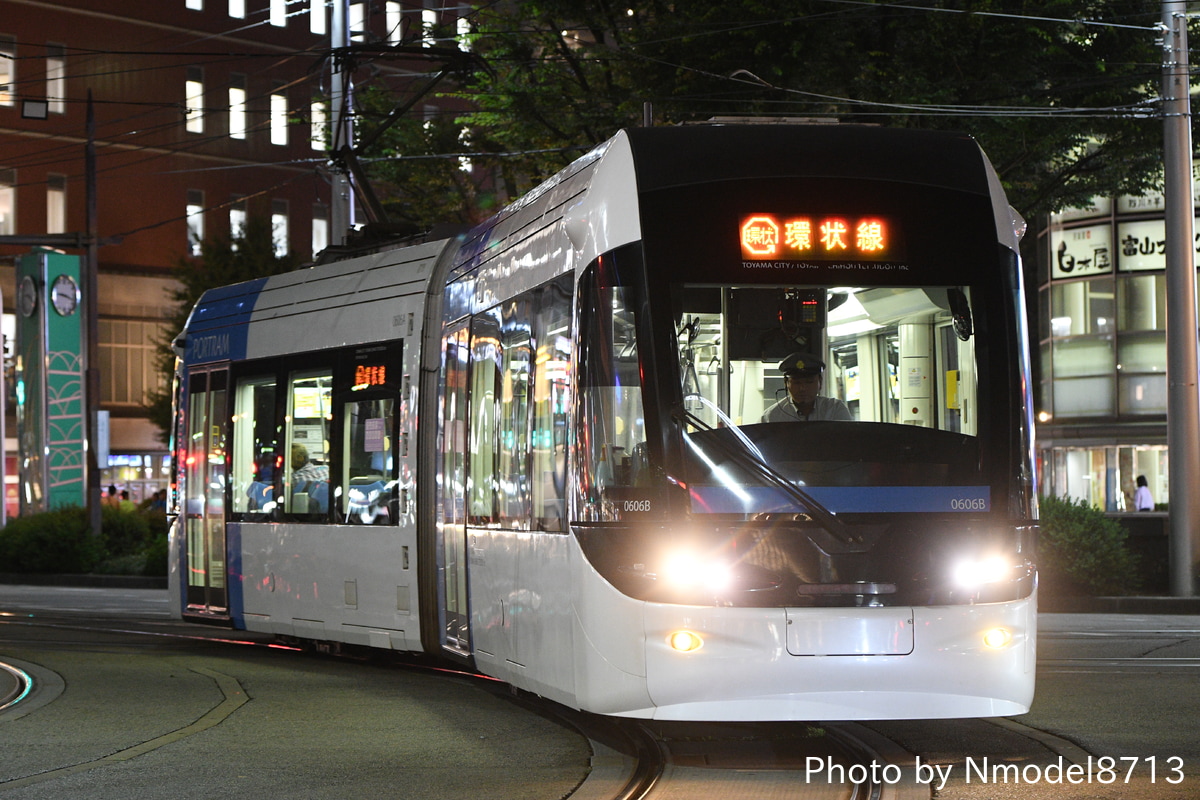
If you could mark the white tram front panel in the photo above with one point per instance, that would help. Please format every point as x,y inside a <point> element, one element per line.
<point>582,384</point>
<point>843,545</point>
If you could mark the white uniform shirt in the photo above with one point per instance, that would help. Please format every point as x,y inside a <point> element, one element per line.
<point>824,408</point>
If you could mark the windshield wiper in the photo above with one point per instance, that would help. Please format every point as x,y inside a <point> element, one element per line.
<point>751,458</point>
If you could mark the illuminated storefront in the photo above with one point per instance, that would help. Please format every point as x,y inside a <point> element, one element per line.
<point>1102,399</point>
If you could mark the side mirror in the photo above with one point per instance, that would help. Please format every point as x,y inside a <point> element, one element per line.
<point>960,312</point>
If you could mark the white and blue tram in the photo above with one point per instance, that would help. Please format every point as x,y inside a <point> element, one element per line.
<point>536,450</point>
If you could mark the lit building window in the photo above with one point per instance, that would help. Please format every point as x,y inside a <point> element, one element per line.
<point>193,90</point>
<point>56,78</point>
<point>237,221</point>
<point>56,203</point>
<point>357,22</point>
<point>8,202</point>
<point>279,227</point>
<point>279,112</point>
<point>320,229</point>
<point>464,30</point>
<point>237,107</point>
<point>8,69</point>
<point>195,220</point>
<point>127,361</point>
<point>429,21</point>
<point>278,13</point>
<point>318,123</point>
<point>237,9</point>
<point>194,5</point>
<point>317,16</point>
<point>464,140</point>
<point>394,15</point>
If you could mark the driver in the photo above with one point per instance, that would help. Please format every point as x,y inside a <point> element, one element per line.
<point>802,375</point>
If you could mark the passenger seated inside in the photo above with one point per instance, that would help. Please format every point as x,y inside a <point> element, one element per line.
<point>311,478</point>
<point>803,374</point>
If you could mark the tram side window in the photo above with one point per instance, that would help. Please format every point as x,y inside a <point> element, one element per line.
<point>256,461</point>
<point>513,444</point>
<point>551,401</point>
<point>612,436</point>
<point>486,390</point>
<point>368,462</point>
<point>306,457</point>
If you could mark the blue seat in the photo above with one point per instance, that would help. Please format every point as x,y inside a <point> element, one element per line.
<point>318,492</point>
<point>260,494</point>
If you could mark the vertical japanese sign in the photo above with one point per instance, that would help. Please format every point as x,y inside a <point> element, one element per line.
<point>50,413</point>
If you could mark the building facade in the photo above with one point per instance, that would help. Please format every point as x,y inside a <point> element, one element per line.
<point>1102,399</point>
<point>206,112</point>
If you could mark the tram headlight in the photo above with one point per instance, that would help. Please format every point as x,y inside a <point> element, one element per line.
<point>972,573</point>
<point>687,570</point>
<point>997,638</point>
<point>685,641</point>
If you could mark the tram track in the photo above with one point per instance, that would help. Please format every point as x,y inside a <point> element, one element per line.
<point>649,760</point>
<point>633,759</point>
<point>15,685</point>
<point>703,761</point>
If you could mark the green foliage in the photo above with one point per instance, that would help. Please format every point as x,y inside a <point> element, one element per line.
<point>417,168</point>
<point>1061,106</point>
<point>1081,551</point>
<point>60,542</point>
<point>57,541</point>
<point>123,533</point>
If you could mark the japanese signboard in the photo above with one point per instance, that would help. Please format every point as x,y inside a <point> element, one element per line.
<point>1080,252</point>
<point>1142,245</point>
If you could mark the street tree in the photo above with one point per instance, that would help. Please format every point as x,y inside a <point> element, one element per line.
<point>1061,93</point>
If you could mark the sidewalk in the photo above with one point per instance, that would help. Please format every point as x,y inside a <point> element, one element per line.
<point>89,581</point>
<point>1119,605</point>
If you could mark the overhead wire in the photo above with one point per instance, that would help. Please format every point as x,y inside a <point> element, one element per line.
<point>749,79</point>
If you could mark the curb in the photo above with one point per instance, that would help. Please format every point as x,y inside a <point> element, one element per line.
<point>86,581</point>
<point>1119,605</point>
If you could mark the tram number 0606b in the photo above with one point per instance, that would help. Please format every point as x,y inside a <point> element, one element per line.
<point>969,504</point>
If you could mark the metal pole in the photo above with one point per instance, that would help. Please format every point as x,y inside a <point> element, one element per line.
<point>341,133</point>
<point>3,433</point>
<point>1183,402</point>
<point>91,332</point>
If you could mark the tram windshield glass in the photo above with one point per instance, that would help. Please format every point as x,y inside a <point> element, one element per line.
<point>877,411</point>
<point>882,411</point>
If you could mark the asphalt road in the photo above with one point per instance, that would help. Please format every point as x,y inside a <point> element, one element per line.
<point>119,715</point>
<point>130,703</point>
<point>1118,686</point>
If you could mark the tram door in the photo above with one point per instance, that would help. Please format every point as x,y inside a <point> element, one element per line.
<point>204,493</point>
<point>453,611</point>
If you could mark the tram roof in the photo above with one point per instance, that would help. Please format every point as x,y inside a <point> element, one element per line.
<point>680,156</point>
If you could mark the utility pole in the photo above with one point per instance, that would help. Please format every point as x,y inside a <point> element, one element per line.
<point>1183,400</point>
<point>342,133</point>
<point>91,331</point>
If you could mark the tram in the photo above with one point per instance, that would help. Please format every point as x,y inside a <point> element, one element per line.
<point>538,450</point>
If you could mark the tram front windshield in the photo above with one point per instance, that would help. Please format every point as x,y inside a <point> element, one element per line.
<point>896,428</point>
<point>865,398</point>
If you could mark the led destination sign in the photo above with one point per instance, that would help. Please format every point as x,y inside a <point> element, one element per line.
<point>776,237</point>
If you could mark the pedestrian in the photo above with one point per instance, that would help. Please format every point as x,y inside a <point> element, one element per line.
<point>126,504</point>
<point>1142,499</point>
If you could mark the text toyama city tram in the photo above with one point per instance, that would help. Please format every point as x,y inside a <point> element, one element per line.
<point>722,422</point>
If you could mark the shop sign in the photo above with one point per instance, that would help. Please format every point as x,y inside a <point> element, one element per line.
<point>1080,252</point>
